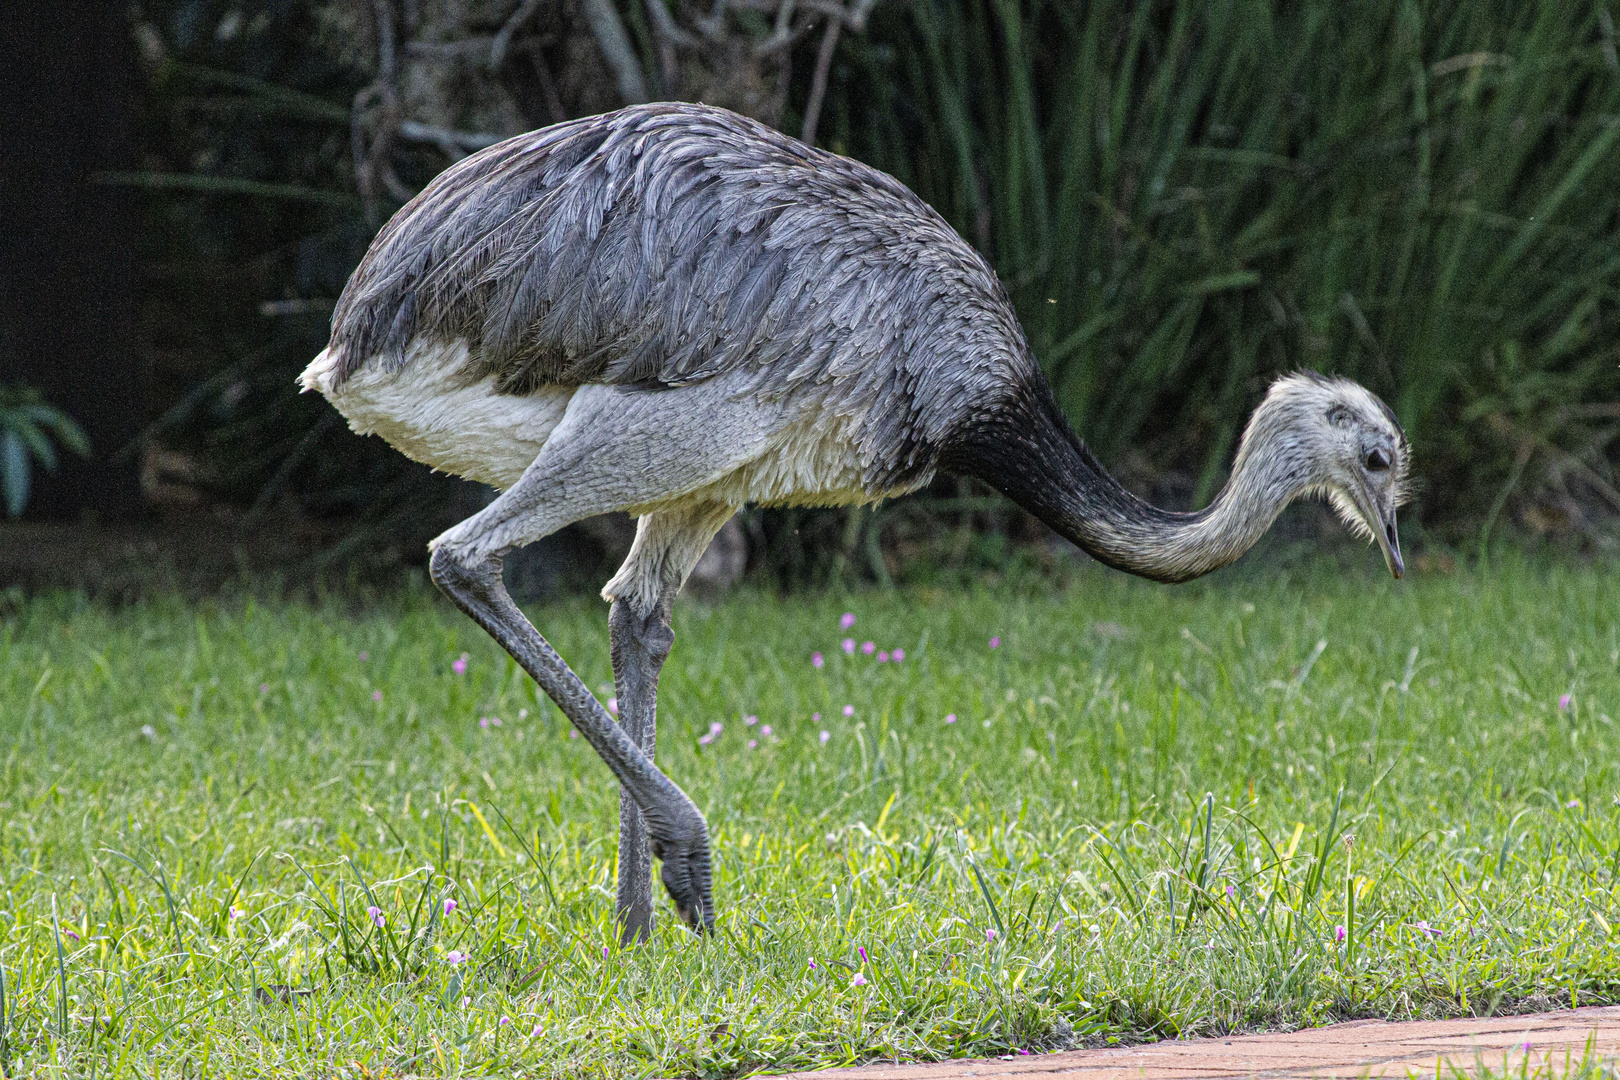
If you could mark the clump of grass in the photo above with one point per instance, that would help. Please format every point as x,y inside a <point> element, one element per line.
<point>1186,198</point>
<point>259,836</point>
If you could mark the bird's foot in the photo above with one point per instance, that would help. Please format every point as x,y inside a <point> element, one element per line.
<point>684,852</point>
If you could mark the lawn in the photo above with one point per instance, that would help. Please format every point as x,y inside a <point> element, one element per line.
<point>253,838</point>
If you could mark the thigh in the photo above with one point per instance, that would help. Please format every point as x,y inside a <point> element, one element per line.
<point>623,449</point>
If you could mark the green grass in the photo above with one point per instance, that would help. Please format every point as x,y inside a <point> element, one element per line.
<point>1163,801</point>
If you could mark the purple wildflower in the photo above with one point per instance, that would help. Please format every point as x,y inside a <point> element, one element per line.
<point>868,648</point>
<point>883,658</point>
<point>1231,892</point>
<point>449,905</point>
<point>825,735</point>
<point>459,664</point>
<point>535,1034</point>
<point>849,645</point>
<point>72,934</point>
<point>376,915</point>
<point>1422,926</point>
<point>995,642</point>
<point>849,710</point>
<point>990,935</point>
<point>897,655</point>
<point>858,980</point>
<point>815,717</point>
<point>454,957</point>
<point>812,963</point>
<point>613,706</point>
<point>573,733</point>
<point>847,620</point>
<point>753,744</point>
<point>862,950</point>
<point>817,660</point>
<point>750,720</point>
<point>604,952</point>
<point>1564,702</point>
<point>1339,934</point>
<point>376,695</point>
<point>765,731</point>
<point>505,1020</point>
<point>950,718</point>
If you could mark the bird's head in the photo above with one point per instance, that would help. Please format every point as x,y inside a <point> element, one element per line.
<point>1347,445</point>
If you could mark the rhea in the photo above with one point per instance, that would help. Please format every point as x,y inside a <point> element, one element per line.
<point>674,311</point>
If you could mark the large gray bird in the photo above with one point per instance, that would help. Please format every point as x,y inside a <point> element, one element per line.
<point>674,311</point>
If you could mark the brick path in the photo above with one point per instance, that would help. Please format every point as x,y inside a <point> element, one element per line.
<point>1364,1048</point>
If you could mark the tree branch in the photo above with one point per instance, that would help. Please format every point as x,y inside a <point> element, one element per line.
<point>614,42</point>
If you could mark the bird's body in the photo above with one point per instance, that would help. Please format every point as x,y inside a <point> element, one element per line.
<point>674,311</point>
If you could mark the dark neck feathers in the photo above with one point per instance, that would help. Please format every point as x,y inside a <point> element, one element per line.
<point>1028,452</point>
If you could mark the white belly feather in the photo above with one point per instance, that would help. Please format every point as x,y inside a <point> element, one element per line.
<point>427,412</point>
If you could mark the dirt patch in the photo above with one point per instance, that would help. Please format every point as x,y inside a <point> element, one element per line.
<point>1363,1048</point>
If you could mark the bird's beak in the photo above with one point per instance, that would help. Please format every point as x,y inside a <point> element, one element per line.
<point>1382,520</point>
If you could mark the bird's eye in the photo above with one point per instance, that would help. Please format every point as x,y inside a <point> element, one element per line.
<point>1377,461</point>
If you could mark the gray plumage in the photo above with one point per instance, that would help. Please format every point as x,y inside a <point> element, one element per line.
<point>664,245</point>
<point>674,311</point>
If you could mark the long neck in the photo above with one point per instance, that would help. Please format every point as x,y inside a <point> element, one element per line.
<point>1032,455</point>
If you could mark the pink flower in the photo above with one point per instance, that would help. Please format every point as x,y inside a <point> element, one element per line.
<point>990,935</point>
<point>1422,926</point>
<point>459,664</point>
<point>812,963</point>
<point>849,646</point>
<point>505,1020</point>
<point>1339,934</point>
<point>868,648</point>
<point>995,642</point>
<point>604,952</point>
<point>847,620</point>
<point>862,950</point>
<point>950,718</point>
<point>750,720</point>
<point>897,655</point>
<point>765,731</point>
<point>376,914</point>
<point>72,934</point>
<point>613,706</point>
<point>825,735</point>
<point>858,980</point>
<point>535,1034</point>
<point>1231,893</point>
<point>483,721</point>
<point>364,656</point>
<point>849,710</point>
<point>376,695</point>
<point>817,660</point>
<point>883,658</point>
<point>449,905</point>
<point>573,733</point>
<point>1525,1046</point>
<point>454,957</point>
<point>753,744</point>
<point>815,718</point>
<point>236,913</point>
<point>1564,702</point>
<point>466,1001</point>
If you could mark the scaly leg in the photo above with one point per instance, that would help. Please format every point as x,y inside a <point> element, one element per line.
<point>639,645</point>
<point>668,544</point>
<point>679,835</point>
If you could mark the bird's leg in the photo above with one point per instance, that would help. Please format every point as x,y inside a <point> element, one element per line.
<point>679,835</point>
<point>639,645</point>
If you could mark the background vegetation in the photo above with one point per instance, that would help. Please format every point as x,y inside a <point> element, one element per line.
<point>1183,197</point>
